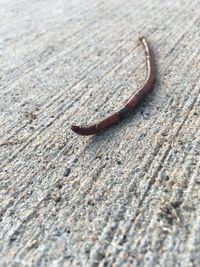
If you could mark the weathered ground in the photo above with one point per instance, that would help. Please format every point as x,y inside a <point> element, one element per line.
<point>127,197</point>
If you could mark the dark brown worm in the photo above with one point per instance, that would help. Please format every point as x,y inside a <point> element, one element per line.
<point>131,103</point>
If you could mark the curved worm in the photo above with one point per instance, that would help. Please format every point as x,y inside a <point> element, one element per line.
<point>130,104</point>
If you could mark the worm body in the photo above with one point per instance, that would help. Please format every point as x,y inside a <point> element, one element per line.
<point>130,104</point>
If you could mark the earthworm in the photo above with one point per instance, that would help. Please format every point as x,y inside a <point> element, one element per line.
<point>130,104</point>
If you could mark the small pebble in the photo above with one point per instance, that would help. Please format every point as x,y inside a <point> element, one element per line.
<point>67,172</point>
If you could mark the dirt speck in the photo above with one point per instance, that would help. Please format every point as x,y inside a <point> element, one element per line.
<point>67,172</point>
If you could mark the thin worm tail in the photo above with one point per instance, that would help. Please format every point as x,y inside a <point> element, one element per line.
<point>130,104</point>
<point>147,86</point>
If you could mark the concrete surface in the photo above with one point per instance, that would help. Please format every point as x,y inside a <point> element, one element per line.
<point>127,197</point>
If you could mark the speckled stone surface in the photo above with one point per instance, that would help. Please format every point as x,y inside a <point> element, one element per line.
<point>129,196</point>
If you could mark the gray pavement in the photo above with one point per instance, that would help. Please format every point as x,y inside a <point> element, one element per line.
<point>129,196</point>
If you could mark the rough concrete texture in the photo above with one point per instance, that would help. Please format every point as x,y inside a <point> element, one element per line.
<point>129,196</point>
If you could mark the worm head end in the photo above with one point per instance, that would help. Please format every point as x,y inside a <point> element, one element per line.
<point>75,129</point>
